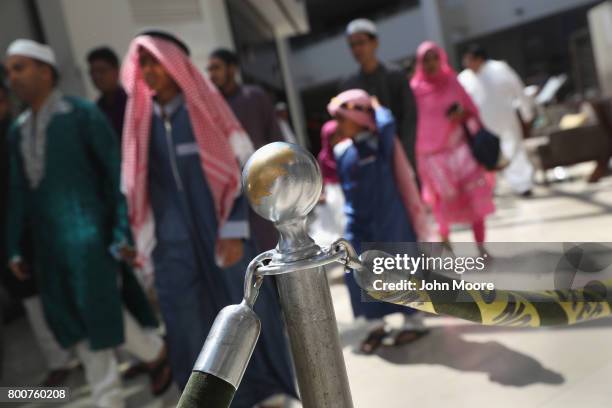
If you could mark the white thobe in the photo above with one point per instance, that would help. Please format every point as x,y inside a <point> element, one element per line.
<point>498,92</point>
<point>101,367</point>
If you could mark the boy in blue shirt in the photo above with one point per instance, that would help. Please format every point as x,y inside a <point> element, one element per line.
<point>374,206</point>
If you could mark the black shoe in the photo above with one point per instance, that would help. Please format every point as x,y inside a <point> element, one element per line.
<point>56,378</point>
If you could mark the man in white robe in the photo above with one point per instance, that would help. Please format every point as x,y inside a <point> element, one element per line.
<point>497,90</point>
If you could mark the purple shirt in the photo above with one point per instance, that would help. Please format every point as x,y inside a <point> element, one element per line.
<point>255,112</point>
<point>114,110</point>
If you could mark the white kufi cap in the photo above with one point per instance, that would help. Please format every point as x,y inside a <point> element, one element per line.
<point>32,49</point>
<point>361,25</point>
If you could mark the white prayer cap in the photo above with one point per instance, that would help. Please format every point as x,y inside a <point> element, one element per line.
<point>32,49</point>
<point>361,25</point>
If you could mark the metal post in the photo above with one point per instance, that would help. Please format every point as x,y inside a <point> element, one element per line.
<point>283,183</point>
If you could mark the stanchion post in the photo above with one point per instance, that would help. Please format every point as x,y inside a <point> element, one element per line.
<point>283,183</point>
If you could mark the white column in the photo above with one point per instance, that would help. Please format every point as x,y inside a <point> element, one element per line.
<point>59,37</point>
<point>600,24</point>
<point>89,24</point>
<point>216,20</point>
<point>293,95</point>
<point>432,17</point>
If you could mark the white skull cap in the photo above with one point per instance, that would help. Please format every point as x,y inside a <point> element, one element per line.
<point>32,49</point>
<point>361,25</point>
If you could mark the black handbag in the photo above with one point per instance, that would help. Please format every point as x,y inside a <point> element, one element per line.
<point>485,147</point>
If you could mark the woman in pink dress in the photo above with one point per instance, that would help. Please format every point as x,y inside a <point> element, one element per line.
<point>455,185</point>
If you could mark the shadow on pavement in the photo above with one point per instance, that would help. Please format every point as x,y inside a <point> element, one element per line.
<point>446,347</point>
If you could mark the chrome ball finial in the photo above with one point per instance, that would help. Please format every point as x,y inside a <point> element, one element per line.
<point>282,181</point>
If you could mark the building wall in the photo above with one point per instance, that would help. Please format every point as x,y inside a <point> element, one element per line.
<point>202,24</point>
<point>73,27</point>
<point>600,20</point>
<point>401,34</point>
<point>15,23</point>
<point>331,59</point>
<point>472,18</point>
<point>87,24</point>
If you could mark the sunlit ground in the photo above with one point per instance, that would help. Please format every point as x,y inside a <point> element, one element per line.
<point>458,363</point>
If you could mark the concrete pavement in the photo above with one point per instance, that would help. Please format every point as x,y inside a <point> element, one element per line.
<point>458,363</point>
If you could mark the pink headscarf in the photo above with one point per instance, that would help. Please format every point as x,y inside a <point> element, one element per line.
<point>422,82</point>
<point>354,104</point>
<point>214,125</point>
<point>326,155</point>
<point>434,94</point>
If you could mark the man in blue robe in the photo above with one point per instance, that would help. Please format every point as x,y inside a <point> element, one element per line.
<point>199,261</point>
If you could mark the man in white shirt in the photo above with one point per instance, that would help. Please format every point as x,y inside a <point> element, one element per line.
<point>497,90</point>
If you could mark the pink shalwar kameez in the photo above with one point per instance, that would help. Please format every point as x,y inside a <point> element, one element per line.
<point>454,184</point>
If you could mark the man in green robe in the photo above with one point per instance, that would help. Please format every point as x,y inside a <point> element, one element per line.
<point>64,185</point>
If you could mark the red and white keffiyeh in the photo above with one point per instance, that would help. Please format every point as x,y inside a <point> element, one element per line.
<point>216,129</point>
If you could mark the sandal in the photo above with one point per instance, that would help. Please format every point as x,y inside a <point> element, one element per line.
<point>160,374</point>
<point>161,378</point>
<point>373,341</point>
<point>408,336</point>
<point>134,371</point>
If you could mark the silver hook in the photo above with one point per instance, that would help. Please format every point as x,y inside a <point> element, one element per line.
<point>253,280</point>
<point>351,260</point>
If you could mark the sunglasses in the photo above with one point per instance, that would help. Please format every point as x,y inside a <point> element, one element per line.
<point>354,106</point>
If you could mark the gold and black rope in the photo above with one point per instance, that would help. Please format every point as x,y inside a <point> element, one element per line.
<point>497,307</point>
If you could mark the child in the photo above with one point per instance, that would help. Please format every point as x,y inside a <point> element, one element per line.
<point>378,208</point>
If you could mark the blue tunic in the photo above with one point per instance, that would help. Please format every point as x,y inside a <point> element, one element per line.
<point>191,288</point>
<point>374,208</point>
